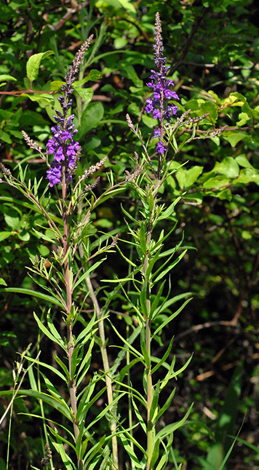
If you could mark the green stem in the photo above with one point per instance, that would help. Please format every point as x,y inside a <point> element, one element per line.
<point>148,348</point>
<point>69,299</point>
<point>149,396</point>
<point>106,367</point>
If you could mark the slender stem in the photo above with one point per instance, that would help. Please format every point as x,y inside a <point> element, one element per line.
<point>148,348</point>
<point>149,397</point>
<point>69,298</point>
<point>106,370</point>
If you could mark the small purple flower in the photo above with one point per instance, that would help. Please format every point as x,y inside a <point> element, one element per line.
<point>159,104</point>
<point>160,148</point>
<point>54,175</point>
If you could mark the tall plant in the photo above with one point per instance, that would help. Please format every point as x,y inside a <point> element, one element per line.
<point>78,251</point>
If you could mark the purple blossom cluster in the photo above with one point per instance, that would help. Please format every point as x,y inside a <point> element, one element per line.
<point>64,149</point>
<point>62,145</point>
<point>159,104</point>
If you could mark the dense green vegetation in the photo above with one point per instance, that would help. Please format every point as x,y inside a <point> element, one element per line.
<point>213,52</point>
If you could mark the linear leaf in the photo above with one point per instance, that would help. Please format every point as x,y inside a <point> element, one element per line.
<point>130,451</point>
<point>168,212</point>
<point>59,405</point>
<point>165,406</point>
<point>47,332</point>
<point>171,375</point>
<point>88,272</point>
<point>48,366</point>
<point>165,356</point>
<point>168,430</point>
<point>139,416</point>
<point>171,317</point>
<point>169,268</point>
<point>30,292</point>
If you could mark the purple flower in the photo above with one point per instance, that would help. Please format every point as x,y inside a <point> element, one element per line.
<point>159,104</point>
<point>61,144</point>
<point>64,148</point>
<point>54,175</point>
<point>160,148</point>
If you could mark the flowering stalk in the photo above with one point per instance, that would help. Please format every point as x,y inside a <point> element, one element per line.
<point>161,108</point>
<point>62,145</point>
<point>159,104</point>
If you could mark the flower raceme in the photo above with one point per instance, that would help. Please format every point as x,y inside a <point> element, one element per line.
<point>66,151</point>
<point>159,104</point>
<point>62,145</point>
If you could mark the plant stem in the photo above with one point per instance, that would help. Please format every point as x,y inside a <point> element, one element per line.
<point>148,348</point>
<point>106,370</point>
<point>69,298</point>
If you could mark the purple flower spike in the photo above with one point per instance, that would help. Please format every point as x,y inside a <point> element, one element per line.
<point>159,104</point>
<point>61,144</point>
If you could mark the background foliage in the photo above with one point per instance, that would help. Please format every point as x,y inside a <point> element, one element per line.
<point>213,50</point>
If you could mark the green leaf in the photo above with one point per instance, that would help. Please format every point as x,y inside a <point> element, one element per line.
<point>126,445</point>
<point>192,175</point>
<point>247,175</point>
<point>234,137</point>
<point>59,447</point>
<point>163,359</point>
<point>169,268</point>
<point>91,116</point>
<point>217,182</point>
<point>85,93</point>
<point>139,416</point>
<point>42,98</point>
<point>169,211</point>
<point>132,75</point>
<point>6,77</point>
<point>33,64</point>
<point>128,6</point>
<point>44,364</point>
<point>56,85</point>
<point>62,365</point>
<point>157,299</point>
<point>243,161</point>
<point>142,238</point>
<point>167,430</point>
<point>243,119</point>
<point>4,235</point>
<point>88,272</point>
<point>228,167</point>
<point>94,451</point>
<point>165,406</point>
<point>47,332</point>
<point>209,107</point>
<point>52,328</point>
<point>155,398</point>
<point>84,365</point>
<point>5,137</point>
<point>30,292</point>
<point>58,405</point>
<point>170,318</point>
<point>155,453</point>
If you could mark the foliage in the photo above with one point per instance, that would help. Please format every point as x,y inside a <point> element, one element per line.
<point>212,51</point>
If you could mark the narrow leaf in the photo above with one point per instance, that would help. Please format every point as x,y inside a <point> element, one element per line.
<point>170,318</point>
<point>30,292</point>
<point>168,430</point>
